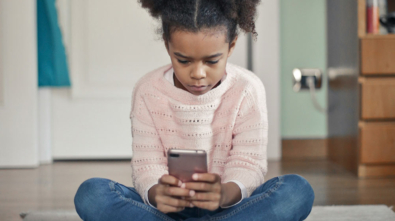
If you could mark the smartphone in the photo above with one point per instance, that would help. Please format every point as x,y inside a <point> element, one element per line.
<point>184,163</point>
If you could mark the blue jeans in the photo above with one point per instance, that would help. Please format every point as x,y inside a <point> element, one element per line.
<point>287,197</point>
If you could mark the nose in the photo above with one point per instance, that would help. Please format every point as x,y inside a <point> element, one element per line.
<point>198,73</point>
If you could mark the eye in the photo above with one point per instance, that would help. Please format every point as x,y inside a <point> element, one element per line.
<point>212,62</point>
<point>182,61</point>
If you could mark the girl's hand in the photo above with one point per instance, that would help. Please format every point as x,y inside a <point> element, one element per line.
<point>206,192</point>
<point>166,196</point>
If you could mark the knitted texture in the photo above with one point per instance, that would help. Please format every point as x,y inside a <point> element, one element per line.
<point>229,122</point>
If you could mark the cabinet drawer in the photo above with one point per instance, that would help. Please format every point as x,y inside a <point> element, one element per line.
<point>377,142</point>
<point>377,98</point>
<point>378,56</point>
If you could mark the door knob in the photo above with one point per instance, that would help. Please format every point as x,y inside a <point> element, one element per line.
<point>301,76</point>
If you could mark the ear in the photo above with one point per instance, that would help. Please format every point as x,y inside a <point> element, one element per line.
<point>232,46</point>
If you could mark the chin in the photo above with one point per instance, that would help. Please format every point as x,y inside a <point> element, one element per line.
<point>198,92</point>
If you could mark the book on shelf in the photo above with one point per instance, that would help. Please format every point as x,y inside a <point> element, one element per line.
<point>374,10</point>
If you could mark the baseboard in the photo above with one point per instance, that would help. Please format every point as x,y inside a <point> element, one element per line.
<point>304,149</point>
<point>376,171</point>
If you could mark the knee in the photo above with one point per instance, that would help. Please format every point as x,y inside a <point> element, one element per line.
<point>90,196</point>
<point>299,196</point>
<point>303,192</point>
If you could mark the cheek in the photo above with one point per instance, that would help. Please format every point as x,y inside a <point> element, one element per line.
<point>219,71</point>
<point>181,73</point>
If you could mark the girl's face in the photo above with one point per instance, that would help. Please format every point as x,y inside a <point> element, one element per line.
<point>199,59</point>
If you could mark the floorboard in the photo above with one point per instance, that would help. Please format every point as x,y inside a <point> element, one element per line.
<point>53,186</point>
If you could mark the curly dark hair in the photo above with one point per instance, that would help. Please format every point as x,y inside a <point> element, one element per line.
<point>197,15</point>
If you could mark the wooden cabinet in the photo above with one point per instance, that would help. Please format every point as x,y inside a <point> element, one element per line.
<point>377,55</point>
<point>377,98</point>
<point>361,113</point>
<point>376,141</point>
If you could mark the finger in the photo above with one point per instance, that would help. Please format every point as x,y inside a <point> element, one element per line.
<point>169,209</point>
<point>206,177</point>
<point>206,205</point>
<point>174,202</point>
<point>176,191</point>
<point>210,196</point>
<point>198,186</point>
<point>170,180</point>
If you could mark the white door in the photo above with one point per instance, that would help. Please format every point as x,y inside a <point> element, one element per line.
<point>110,45</point>
<point>18,84</point>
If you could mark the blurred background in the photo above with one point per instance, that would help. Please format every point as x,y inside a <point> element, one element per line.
<point>68,68</point>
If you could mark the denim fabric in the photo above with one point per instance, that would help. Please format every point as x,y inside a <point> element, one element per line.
<point>287,197</point>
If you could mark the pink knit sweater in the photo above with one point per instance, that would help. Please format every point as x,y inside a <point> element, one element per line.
<point>229,123</point>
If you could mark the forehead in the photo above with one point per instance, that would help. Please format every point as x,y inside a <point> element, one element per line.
<point>202,43</point>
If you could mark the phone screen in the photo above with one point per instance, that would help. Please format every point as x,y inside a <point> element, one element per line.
<point>184,163</point>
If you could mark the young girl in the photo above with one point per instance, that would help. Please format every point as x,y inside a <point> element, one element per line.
<point>199,101</point>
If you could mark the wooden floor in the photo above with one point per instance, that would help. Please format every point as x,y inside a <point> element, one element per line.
<point>53,186</point>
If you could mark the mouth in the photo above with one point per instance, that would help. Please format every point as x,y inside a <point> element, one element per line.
<point>198,87</point>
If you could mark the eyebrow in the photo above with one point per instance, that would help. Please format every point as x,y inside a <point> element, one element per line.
<point>211,56</point>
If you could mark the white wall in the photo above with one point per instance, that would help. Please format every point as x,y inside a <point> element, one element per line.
<point>18,68</point>
<point>266,65</point>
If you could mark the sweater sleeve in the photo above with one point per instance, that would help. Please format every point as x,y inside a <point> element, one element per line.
<point>148,161</point>
<point>247,160</point>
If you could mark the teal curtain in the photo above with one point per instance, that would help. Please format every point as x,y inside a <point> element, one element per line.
<point>52,60</point>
